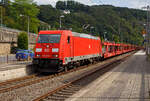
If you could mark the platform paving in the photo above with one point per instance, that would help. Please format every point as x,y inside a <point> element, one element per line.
<point>15,65</point>
<point>129,81</point>
<point>15,70</point>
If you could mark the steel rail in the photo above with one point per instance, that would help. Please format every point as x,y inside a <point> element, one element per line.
<point>17,79</point>
<point>79,78</point>
<point>35,81</point>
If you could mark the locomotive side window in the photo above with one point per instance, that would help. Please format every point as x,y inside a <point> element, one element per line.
<point>68,39</point>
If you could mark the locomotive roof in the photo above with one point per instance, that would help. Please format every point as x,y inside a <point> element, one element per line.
<point>82,35</point>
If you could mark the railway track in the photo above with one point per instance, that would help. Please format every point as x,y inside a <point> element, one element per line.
<point>70,87</point>
<point>11,85</point>
<point>26,81</point>
<point>29,80</point>
<point>16,83</point>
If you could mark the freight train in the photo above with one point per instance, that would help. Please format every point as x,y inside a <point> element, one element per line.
<point>59,50</point>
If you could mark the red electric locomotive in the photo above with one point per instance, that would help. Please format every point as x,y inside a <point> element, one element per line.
<point>60,49</point>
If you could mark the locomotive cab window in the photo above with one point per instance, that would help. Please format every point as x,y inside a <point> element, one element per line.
<point>49,38</point>
<point>68,39</point>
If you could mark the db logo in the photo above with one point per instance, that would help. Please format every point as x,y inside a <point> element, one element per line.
<point>46,50</point>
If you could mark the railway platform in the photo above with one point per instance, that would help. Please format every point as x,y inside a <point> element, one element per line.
<point>129,81</point>
<point>15,70</point>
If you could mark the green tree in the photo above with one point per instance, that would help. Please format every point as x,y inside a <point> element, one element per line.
<point>20,11</point>
<point>5,3</point>
<point>104,19</point>
<point>22,40</point>
<point>50,15</point>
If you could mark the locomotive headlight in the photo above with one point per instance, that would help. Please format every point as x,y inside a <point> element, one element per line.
<point>38,55</point>
<point>55,49</point>
<point>55,56</point>
<point>38,50</point>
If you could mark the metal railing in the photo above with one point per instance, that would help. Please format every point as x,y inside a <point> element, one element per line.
<point>7,59</point>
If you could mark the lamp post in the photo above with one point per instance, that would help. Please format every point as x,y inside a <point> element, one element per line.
<point>119,30</point>
<point>28,31</point>
<point>91,29</point>
<point>60,23</point>
<point>148,31</point>
<point>147,37</point>
<point>28,28</point>
<point>105,39</point>
<point>1,16</point>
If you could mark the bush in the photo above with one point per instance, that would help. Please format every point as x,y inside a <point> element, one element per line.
<point>13,48</point>
<point>22,40</point>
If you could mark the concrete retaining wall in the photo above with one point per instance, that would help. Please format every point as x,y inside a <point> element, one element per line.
<point>19,71</point>
<point>5,48</point>
<point>8,39</point>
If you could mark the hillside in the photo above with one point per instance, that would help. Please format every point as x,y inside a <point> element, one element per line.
<point>103,19</point>
<point>113,23</point>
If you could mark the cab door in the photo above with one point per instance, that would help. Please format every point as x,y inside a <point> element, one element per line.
<point>68,49</point>
<point>70,46</point>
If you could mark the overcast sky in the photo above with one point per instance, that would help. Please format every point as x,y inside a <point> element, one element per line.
<point>120,3</point>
